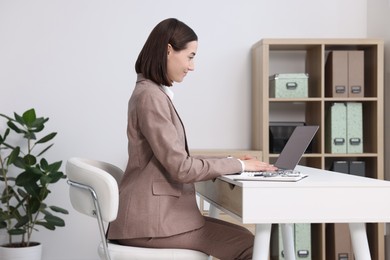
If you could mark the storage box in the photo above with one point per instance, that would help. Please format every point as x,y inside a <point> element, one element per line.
<point>289,85</point>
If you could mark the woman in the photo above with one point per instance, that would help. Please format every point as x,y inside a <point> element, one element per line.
<point>157,196</point>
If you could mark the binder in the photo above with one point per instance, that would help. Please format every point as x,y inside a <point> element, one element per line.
<point>302,242</point>
<point>356,74</point>
<point>336,128</point>
<point>354,127</point>
<point>339,242</point>
<point>336,74</point>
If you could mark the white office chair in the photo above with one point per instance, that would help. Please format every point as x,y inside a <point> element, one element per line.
<point>94,191</point>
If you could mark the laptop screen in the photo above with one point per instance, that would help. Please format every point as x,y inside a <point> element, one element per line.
<point>295,147</point>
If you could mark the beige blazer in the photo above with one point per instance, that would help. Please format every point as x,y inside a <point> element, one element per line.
<point>157,194</point>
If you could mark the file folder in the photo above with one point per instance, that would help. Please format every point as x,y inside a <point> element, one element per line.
<point>354,127</point>
<point>339,242</point>
<point>336,74</point>
<point>336,128</point>
<point>356,74</point>
<point>302,242</point>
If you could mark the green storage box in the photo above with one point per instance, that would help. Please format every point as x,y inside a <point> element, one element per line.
<point>291,85</point>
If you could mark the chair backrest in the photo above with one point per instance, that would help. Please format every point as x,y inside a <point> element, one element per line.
<point>102,178</point>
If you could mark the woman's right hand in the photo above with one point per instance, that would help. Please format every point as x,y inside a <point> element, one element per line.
<point>253,165</point>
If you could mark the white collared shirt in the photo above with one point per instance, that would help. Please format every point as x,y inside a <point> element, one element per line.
<point>168,91</point>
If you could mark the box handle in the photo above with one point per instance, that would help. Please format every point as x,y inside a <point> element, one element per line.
<point>356,89</point>
<point>340,89</point>
<point>339,141</point>
<point>291,85</point>
<point>354,141</point>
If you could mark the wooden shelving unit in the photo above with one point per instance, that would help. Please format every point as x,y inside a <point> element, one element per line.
<point>270,54</point>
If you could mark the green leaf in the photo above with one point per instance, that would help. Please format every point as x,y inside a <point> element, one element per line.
<point>44,164</point>
<point>46,225</point>
<point>32,189</point>
<point>55,176</point>
<point>7,194</point>
<point>22,193</point>
<point>16,231</point>
<point>29,117</point>
<point>54,220</point>
<point>47,148</point>
<point>26,178</point>
<point>43,193</point>
<point>3,224</point>
<point>54,167</point>
<point>46,138</point>
<point>37,129</point>
<point>30,135</point>
<point>30,159</point>
<point>15,128</point>
<point>39,124</point>
<point>22,221</point>
<point>13,156</point>
<point>2,138</point>
<point>19,119</point>
<point>20,163</point>
<point>58,209</point>
<point>33,205</point>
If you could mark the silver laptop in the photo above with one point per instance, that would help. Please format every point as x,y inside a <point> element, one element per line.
<point>295,147</point>
<point>288,158</point>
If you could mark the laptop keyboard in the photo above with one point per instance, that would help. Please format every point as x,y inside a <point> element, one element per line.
<point>283,173</point>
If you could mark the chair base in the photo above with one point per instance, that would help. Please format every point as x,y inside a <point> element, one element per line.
<point>120,252</point>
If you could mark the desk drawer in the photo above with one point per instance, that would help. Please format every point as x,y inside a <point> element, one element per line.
<point>224,194</point>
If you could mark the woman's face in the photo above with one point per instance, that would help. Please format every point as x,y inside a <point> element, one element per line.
<point>180,62</point>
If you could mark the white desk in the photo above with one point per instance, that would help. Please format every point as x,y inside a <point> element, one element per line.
<point>322,197</point>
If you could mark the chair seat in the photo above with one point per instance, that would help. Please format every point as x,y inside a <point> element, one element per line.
<point>120,252</point>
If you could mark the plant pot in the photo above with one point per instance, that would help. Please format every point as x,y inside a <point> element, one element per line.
<point>33,252</point>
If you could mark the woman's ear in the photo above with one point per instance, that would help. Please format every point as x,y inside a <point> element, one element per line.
<point>169,49</point>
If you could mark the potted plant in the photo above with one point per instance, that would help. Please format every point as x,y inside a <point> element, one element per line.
<point>25,177</point>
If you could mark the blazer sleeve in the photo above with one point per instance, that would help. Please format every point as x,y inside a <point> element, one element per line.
<point>163,130</point>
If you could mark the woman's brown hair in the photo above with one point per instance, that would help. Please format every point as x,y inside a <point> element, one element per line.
<point>152,60</point>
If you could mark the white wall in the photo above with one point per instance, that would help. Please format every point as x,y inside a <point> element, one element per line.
<point>73,61</point>
<point>378,21</point>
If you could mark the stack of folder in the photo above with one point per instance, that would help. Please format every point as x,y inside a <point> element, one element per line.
<point>344,128</point>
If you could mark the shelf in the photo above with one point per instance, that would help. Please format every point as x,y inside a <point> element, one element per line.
<point>275,56</point>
